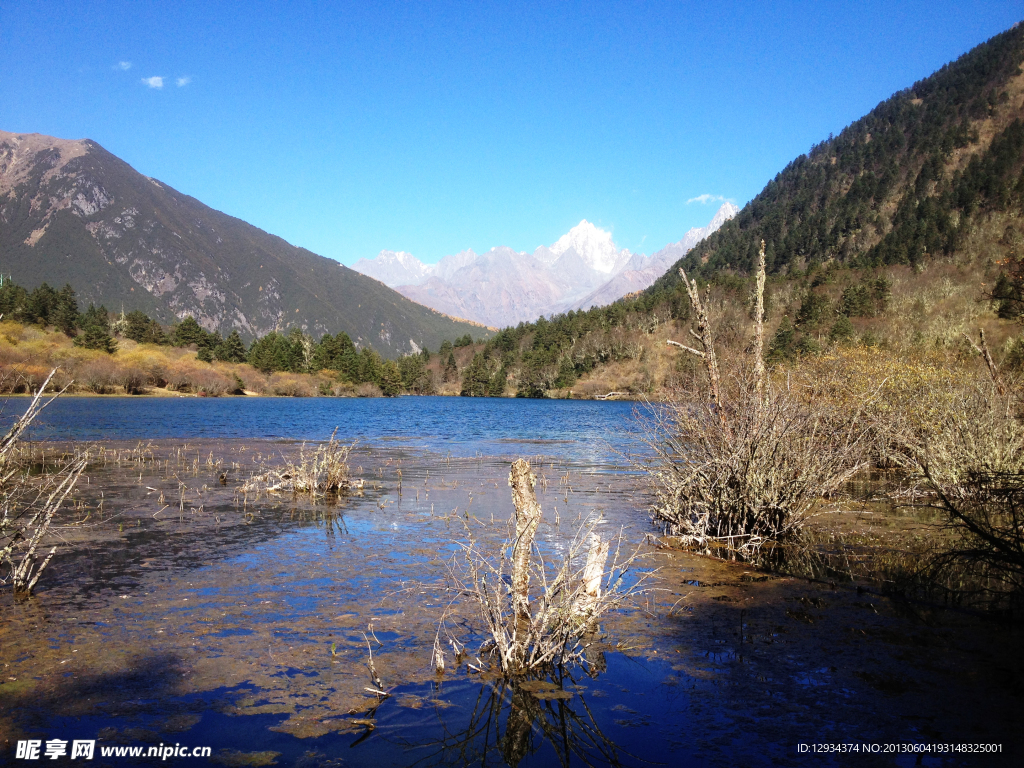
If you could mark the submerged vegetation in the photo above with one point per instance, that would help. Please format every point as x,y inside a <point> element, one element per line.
<point>322,473</point>
<point>552,624</point>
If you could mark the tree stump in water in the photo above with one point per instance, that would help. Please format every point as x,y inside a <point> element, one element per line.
<point>528,513</point>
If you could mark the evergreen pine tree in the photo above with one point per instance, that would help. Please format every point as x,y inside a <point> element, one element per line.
<point>451,370</point>
<point>842,330</point>
<point>498,381</point>
<point>96,335</point>
<point>783,344</point>
<point>476,380</point>
<point>368,367</point>
<point>390,379</point>
<point>188,331</point>
<point>231,350</point>
<point>566,374</point>
<point>65,313</point>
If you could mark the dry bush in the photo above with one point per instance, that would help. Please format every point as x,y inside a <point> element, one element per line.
<point>132,378</point>
<point>592,388</point>
<point>190,375</point>
<point>728,486</point>
<point>290,385</point>
<point>532,630</point>
<point>11,332</point>
<point>181,374</point>
<point>342,389</point>
<point>366,389</point>
<point>745,460</point>
<point>70,358</point>
<point>29,503</point>
<point>252,380</point>
<point>902,393</point>
<point>10,356</point>
<point>209,381</point>
<point>326,385</point>
<point>324,472</point>
<point>148,361</point>
<point>25,377</point>
<point>974,464</point>
<point>99,375</point>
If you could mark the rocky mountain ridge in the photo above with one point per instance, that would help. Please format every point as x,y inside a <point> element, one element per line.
<point>71,212</point>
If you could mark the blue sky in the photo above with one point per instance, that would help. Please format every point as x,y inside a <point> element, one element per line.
<point>347,128</point>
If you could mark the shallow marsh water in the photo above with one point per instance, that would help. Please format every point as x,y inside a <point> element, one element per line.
<point>182,612</point>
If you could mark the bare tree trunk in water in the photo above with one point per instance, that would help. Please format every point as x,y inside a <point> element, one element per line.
<point>593,573</point>
<point>528,514</point>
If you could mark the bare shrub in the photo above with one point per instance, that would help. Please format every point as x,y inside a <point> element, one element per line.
<point>366,389</point>
<point>325,472</point>
<point>32,377</point>
<point>181,375</point>
<point>28,504</point>
<point>741,460</point>
<point>973,461</point>
<point>534,630</point>
<point>206,380</point>
<point>252,380</point>
<point>99,375</point>
<point>290,385</point>
<point>343,389</point>
<point>132,378</point>
<point>145,365</point>
<point>592,388</point>
<point>728,486</point>
<point>11,356</point>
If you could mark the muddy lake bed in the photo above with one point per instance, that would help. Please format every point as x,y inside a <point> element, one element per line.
<point>181,611</point>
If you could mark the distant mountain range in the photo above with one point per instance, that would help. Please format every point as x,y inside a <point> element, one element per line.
<point>503,287</point>
<point>71,212</point>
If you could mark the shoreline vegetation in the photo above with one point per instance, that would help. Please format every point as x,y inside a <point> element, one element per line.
<point>897,323</point>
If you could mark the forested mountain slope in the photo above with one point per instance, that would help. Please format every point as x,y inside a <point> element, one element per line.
<point>71,212</point>
<point>911,180</point>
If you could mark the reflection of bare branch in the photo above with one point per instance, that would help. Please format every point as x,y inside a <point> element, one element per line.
<point>507,718</point>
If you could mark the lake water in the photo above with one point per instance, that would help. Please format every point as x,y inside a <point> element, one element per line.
<point>577,430</point>
<point>181,611</point>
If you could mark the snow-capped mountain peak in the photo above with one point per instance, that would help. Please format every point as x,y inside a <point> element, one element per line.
<point>593,245</point>
<point>696,234</point>
<point>395,268</point>
<point>503,287</point>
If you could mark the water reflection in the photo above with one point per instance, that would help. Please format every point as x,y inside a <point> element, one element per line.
<point>512,720</point>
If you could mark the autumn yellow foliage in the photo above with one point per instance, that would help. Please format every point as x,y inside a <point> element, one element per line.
<point>29,353</point>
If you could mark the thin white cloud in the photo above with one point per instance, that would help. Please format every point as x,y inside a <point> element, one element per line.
<point>124,66</point>
<point>181,82</point>
<point>154,82</point>
<point>706,198</point>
